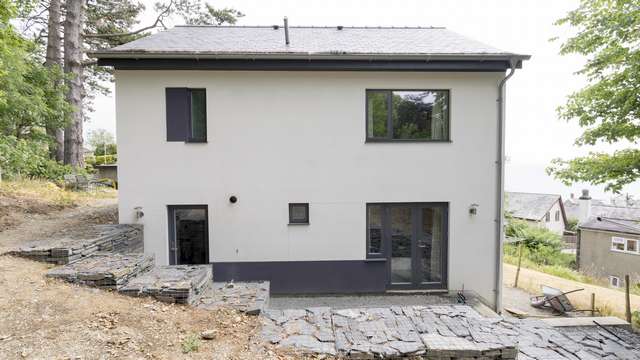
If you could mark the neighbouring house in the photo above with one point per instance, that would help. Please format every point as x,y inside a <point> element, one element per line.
<point>322,159</point>
<point>608,239</point>
<point>542,210</point>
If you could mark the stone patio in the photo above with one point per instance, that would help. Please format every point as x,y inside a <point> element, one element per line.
<point>182,284</point>
<point>104,270</point>
<point>248,297</point>
<point>437,332</point>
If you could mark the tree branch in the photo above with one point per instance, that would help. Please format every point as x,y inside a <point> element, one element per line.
<point>159,19</point>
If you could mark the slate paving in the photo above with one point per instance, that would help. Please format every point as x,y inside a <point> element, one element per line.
<point>104,270</point>
<point>249,297</point>
<point>65,250</point>
<point>438,332</point>
<point>181,284</point>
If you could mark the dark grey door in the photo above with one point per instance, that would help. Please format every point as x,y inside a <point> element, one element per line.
<point>188,234</point>
<point>415,235</point>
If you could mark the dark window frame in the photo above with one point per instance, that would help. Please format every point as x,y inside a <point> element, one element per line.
<point>299,222</point>
<point>172,230</point>
<point>389,138</point>
<point>187,137</point>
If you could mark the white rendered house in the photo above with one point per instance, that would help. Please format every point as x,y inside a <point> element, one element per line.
<point>342,160</point>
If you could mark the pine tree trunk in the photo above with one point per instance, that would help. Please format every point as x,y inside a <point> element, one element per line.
<point>73,68</point>
<point>54,58</point>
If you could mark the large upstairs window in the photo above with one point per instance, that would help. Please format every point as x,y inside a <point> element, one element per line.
<point>407,115</point>
<point>186,114</point>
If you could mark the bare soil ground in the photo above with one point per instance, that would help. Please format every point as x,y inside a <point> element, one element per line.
<point>43,318</point>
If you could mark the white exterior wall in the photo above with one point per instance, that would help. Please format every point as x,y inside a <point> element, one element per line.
<point>281,137</point>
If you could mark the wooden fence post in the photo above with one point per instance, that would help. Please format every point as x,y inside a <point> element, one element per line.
<point>627,298</point>
<point>515,285</point>
<point>593,304</point>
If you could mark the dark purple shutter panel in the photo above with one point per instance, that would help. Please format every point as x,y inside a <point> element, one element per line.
<point>177,114</point>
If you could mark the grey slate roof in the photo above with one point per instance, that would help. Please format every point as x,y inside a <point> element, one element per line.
<point>325,42</point>
<point>600,208</point>
<point>529,206</point>
<point>613,225</point>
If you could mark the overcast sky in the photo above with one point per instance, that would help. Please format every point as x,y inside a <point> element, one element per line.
<point>534,134</point>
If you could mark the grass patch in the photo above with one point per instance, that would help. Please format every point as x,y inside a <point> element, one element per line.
<point>49,193</point>
<point>190,344</point>
<point>556,264</point>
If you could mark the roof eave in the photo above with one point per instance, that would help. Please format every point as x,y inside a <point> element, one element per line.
<point>306,56</point>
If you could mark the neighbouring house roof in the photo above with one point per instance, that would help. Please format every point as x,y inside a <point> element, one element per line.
<point>613,225</point>
<point>531,206</point>
<point>308,43</point>
<point>602,209</point>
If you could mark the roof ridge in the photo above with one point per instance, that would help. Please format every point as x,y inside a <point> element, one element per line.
<point>531,193</point>
<point>317,27</point>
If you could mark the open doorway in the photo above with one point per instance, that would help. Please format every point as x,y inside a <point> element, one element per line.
<point>188,234</point>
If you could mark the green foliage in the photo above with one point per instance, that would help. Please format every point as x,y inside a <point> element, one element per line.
<point>21,158</point>
<point>29,96</point>
<point>609,107</point>
<point>635,319</point>
<point>534,237</point>
<point>572,224</point>
<point>101,160</point>
<point>190,344</point>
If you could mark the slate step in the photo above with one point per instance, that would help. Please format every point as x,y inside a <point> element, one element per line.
<point>181,284</point>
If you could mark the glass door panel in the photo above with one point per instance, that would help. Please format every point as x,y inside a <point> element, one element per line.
<point>429,245</point>
<point>401,229</point>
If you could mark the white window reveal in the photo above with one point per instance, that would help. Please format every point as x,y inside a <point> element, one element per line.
<point>614,281</point>
<point>620,244</point>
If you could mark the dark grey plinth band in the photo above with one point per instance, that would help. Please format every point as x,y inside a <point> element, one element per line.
<point>309,277</point>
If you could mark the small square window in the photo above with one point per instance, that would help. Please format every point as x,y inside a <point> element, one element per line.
<point>299,213</point>
<point>632,245</point>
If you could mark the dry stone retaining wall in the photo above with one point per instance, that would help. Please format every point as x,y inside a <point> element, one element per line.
<point>104,270</point>
<point>115,237</point>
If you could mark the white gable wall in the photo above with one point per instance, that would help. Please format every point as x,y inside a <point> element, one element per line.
<point>281,137</point>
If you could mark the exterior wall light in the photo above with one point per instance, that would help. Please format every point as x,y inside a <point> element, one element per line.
<point>233,199</point>
<point>139,212</point>
<point>473,209</point>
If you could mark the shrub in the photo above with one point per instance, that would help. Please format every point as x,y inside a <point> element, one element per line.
<point>534,237</point>
<point>20,158</point>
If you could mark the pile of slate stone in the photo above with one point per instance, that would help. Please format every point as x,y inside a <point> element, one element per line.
<point>117,237</point>
<point>182,284</point>
<point>104,270</point>
<point>444,332</point>
<point>249,297</point>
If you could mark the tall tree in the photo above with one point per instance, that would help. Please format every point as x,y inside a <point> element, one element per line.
<point>608,108</point>
<point>53,59</point>
<point>73,68</point>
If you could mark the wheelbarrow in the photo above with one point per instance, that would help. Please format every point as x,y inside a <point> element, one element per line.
<point>555,299</point>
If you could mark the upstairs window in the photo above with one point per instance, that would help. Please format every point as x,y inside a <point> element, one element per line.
<point>557,216</point>
<point>186,114</point>
<point>407,115</point>
<point>547,217</point>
